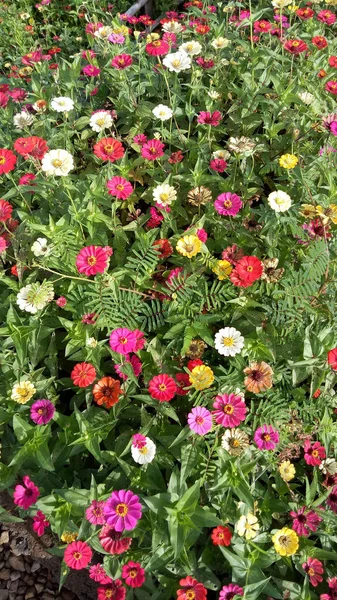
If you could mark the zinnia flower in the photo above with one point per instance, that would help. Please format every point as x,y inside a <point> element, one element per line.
<point>192,48</point>
<point>304,522</point>
<point>83,374</point>
<point>23,392</point>
<point>101,120</point>
<point>119,187</point>
<point>162,387</point>
<point>25,495</point>
<point>107,392</point>
<point>266,438</point>
<point>332,359</point>
<point>143,453</point>
<point>91,260</point>
<point>94,513</point>
<point>228,341</point>
<point>295,46</point>
<point>314,569</point>
<point>235,441</point>
<point>279,201</point>
<point>42,411</point>
<point>313,453</point>
<point>7,161</point>
<point>200,420</point>
<point>259,377</point>
<point>228,592</point>
<point>288,161</point>
<point>230,410</point>
<point>35,296</point>
<point>40,523</point>
<point>152,149</point>
<point>207,118</point>
<point>22,120</point>
<point>228,204</point>
<point>112,540</point>
<point>285,541</point>
<point>114,590</point>
<point>222,269</point>
<point>247,270</point>
<point>122,510</point>
<point>177,62</point>
<point>123,341</point>
<point>57,162</point>
<point>122,61</point>
<point>287,470</point>
<point>191,589</point>
<point>157,48</point>
<point>201,377</point>
<point>189,245</point>
<point>162,112</point>
<point>62,104</point>
<point>77,555</point>
<point>221,536</point>
<point>109,149</point>
<point>98,574</point>
<point>164,195</point>
<point>133,574</point>
<point>6,210</point>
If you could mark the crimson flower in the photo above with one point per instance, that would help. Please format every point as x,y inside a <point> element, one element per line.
<point>122,61</point>
<point>157,48</point>
<point>7,160</point>
<point>295,46</point>
<point>314,569</point>
<point>332,359</point>
<point>247,270</point>
<point>191,589</point>
<point>152,149</point>
<point>207,118</point>
<point>77,555</point>
<point>221,536</point>
<point>305,521</point>
<point>319,41</point>
<point>6,210</point>
<point>313,453</point>
<point>162,387</point>
<point>133,574</point>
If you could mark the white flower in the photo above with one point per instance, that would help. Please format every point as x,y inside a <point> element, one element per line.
<point>40,247</point>
<point>224,154</point>
<point>306,97</point>
<point>281,3</point>
<point>101,120</point>
<point>247,526</point>
<point>24,16</point>
<point>177,61</point>
<point>279,201</point>
<point>35,297</point>
<point>235,441</point>
<point>214,95</point>
<point>164,195</point>
<point>103,32</point>
<point>229,341</point>
<point>144,455</point>
<point>23,392</point>
<point>241,145</point>
<point>62,104</point>
<point>192,48</point>
<point>220,43</point>
<point>162,112</point>
<point>23,119</point>
<point>328,466</point>
<point>92,342</point>
<point>57,162</point>
<point>172,27</point>
<point>40,106</point>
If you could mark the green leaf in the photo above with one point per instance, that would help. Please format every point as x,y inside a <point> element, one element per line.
<point>6,517</point>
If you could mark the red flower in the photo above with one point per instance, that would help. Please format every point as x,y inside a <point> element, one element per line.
<point>157,48</point>
<point>319,41</point>
<point>183,381</point>
<point>196,362</point>
<point>262,26</point>
<point>314,569</point>
<point>247,270</point>
<point>205,63</point>
<point>109,149</point>
<point>112,541</point>
<point>317,393</point>
<point>203,29</point>
<point>164,248</point>
<point>331,86</point>
<point>191,589</point>
<point>313,454</point>
<point>31,146</point>
<point>7,160</point>
<point>122,61</point>
<point>221,536</point>
<point>162,387</point>
<point>133,574</point>
<point>77,555</point>
<point>305,13</point>
<point>113,591</point>
<point>3,100</point>
<point>207,118</point>
<point>83,374</point>
<point>152,149</point>
<point>6,210</point>
<point>333,61</point>
<point>27,178</point>
<point>176,157</point>
<point>218,164</point>
<point>332,359</point>
<point>295,46</point>
<point>321,73</point>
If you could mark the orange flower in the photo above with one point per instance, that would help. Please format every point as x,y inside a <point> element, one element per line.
<point>259,377</point>
<point>107,391</point>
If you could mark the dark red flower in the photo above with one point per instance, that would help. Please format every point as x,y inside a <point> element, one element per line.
<point>182,381</point>
<point>319,41</point>
<point>191,589</point>
<point>164,247</point>
<point>295,46</point>
<point>332,359</point>
<point>221,536</point>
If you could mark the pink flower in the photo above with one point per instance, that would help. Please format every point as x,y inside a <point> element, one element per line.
<point>305,522</point>
<point>116,38</point>
<point>162,387</point>
<point>173,274</point>
<point>332,595</point>
<point>25,495</point>
<point>326,16</point>
<point>332,499</point>
<point>98,574</point>
<point>27,178</point>
<point>89,319</point>
<point>123,341</point>
<point>229,591</point>
<point>94,514</point>
<point>123,510</point>
<point>138,440</point>
<point>133,574</point>
<point>218,164</point>
<point>313,454</point>
<point>152,149</point>
<point>42,411</point>
<point>200,420</point>
<point>3,99</point>
<point>112,541</point>
<point>91,70</point>
<point>155,220</point>
<point>205,63</point>
<point>314,569</point>
<point>122,61</point>
<point>40,523</point>
<point>266,437</point>
<point>230,410</point>
<point>77,555</point>
<point>91,260</point>
<point>119,187</point>
<point>140,139</point>
<point>207,118</point>
<point>202,235</point>
<point>61,301</point>
<point>3,244</point>
<point>228,204</point>
<point>114,590</point>
<point>136,365</point>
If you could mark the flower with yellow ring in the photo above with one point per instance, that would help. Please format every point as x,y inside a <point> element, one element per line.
<point>23,392</point>
<point>201,377</point>
<point>287,470</point>
<point>69,536</point>
<point>189,245</point>
<point>285,541</point>
<point>222,269</point>
<point>288,161</point>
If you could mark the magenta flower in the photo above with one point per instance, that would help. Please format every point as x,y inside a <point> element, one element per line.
<point>25,495</point>
<point>98,574</point>
<point>91,70</point>
<point>305,522</point>
<point>42,411</point>
<point>314,569</point>
<point>40,523</point>
<point>138,440</point>
<point>140,339</point>
<point>202,235</point>
<point>122,61</point>
<point>266,437</point>
<point>218,164</point>
<point>332,595</point>
<point>136,364</point>
<point>332,499</point>
<point>123,341</point>
<point>313,454</point>
<point>119,187</point>
<point>207,118</point>
<point>230,410</point>
<point>229,591</point>
<point>95,514</point>
<point>91,260</point>
<point>140,139</point>
<point>200,420</point>
<point>123,510</point>
<point>116,38</point>
<point>228,204</point>
<point>152,149</point>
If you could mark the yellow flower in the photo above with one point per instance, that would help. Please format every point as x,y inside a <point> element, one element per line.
<point>152,37</point>
<point>189,245</point>
<point>222,269</point>
<point>293,7</point>
<point>69,536</point>
<point>285,541</point>
<point>23,392</point>
<point>307,210</point>
<point>201,377</point>
<point>248,526</point>
<point>122,29</point>
<point>25,71</point>
<point>288,161</point>
<point>327,213</point>
<point>287,470</point>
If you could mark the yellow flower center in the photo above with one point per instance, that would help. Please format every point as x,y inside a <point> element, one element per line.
<point>162,387</point>
<point>176,63</point>
<point>77,555</point>
<point>57,163</point>
<point>100,122</point>
<point>143,450</point>
<point>164,197</point>
<point>120,187</point>
<point>92,260</point>
<point>190,595</point>
<point>2,160</point>
<point>122,509</point>
<point>228,409</point>
<point>228,204</point>
<point>315,453</point>
<point>228,341</point>
<point>311,572</point>
<point>199,420</point>
<point>249,269</point>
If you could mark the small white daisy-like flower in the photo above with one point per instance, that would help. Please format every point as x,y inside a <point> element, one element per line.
<point>143,452</point>
<point>40,247</point>
<point>328,466</point>
<point>172,27</point>
<point>192,48</point>
<point>162,112</point>
<point>103,32</point>
<point>164,195</point>
<point>92,342</point>
<point>23,119</point>
<point>101,120</point>
<point>177,62</point>
<point>279,201</point>
<point>62,104</point>
<point>224,154</point>
<point>241,145</point>
<point>281,3</point>
<point>23,392</point>
<point>214,95</point>
<point>229,341</point>
<point>306,98</point>
<point>248,526</point>
<point>220,43</point>
<point>35,296</point>
<point>235,441</point>
<point>57,162</point>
